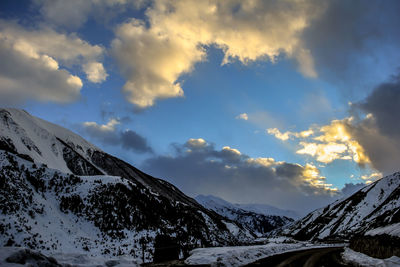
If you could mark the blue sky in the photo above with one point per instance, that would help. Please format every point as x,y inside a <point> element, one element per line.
<point>163,83</point>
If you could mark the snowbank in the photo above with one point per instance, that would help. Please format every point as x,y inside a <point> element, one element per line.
<point>241,255</point>
<point>351,256</point>
<point>16,256</point>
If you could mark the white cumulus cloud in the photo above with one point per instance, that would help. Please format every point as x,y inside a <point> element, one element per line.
<point>154,55</point>
<point>95,72</point>
<point>34,63</point>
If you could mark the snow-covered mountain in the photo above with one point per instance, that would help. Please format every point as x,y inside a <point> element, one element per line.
<point>269,210</point>
<point>211,201</point>
<point>258,222</point>
<point>59,193</point>
<point>376,206</point>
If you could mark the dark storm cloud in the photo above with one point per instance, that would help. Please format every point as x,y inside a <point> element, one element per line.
<point>379,133</point>
<point>131,140</point>
<point>200,168</point>
<point>351,188</point>
<point>127,139</point>
<point>355,42</point>
<point>384,104</point>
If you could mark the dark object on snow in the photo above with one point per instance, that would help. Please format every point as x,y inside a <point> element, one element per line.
<point>165,248</point>
<point>379,246</point>
<point>34,258</point>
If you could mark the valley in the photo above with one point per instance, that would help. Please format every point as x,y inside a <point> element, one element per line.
<point>65,198</point>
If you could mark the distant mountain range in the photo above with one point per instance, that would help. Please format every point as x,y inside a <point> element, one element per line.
<point>60,193</point>
<point>258,218</point>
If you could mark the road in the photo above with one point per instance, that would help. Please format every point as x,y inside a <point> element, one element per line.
<point>327,257</point>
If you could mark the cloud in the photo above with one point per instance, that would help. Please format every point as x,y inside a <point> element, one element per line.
<point>109,134</point>
<point>371,177</point>
<point>344,43</point>
<point>108,127</point>
<point>289,135</point>
<point>353,44</point>
<point>197,167</point>
<point>196,143</point>
<point>370,136</point>
<point>33,64</point>
<point>379,132</point>
<point>134,141</point>
<point>341,42</point>
<point>23,77</point>
<point>328,142</point>
<point>95,72</point>
<point>242,116</point>
<point>153,54</point>
<point>326,152</point>
<point>152,62</point>
<point>74,13</point>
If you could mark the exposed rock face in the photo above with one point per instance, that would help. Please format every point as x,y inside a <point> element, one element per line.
<point>379,246</point>
<point>76,163</point>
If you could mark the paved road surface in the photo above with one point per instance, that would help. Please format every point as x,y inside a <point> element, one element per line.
<point>327,257</point>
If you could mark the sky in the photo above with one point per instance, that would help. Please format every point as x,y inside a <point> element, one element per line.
<point>288,103</point>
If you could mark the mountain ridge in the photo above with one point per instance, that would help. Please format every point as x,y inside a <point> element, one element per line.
<point>264,209</point>
<point>259,223</point>
<point>374,206</point>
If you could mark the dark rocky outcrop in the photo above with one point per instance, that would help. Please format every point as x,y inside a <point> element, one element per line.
<point>379,246</point>
<point>76,163</point>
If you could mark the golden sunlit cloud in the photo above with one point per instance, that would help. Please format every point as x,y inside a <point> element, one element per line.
<point>371,177</point>
<point>313,176</point>
<point>153,55</point>
<point>302,176</point>
<point>108,127</point>
<point>196,142</point>
<point>287,135</point>
<point>39,62</point>
<point>232,150</point>
<point>327,143</point>
<point>310,174</point>
<point>266,162</point>
<point>324,153</point>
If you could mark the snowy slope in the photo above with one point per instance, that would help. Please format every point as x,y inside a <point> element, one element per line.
<point>60,194</point>
<point>58,148</point>
<point>214,202</point>
<point>42,141</point>
<point>391,229</point>
<point>359,259</point>
<point>258,223</point>
<point>269,210</point>
<point>375,206</point>
<point>243,255</point>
